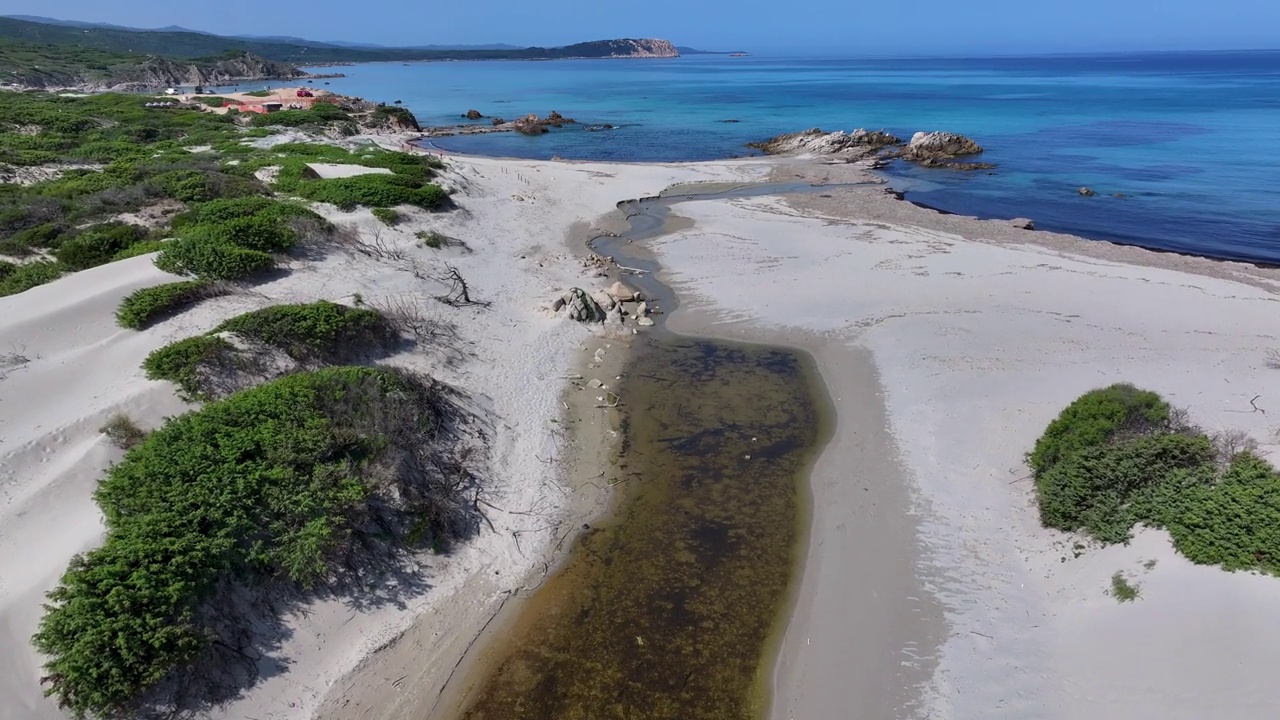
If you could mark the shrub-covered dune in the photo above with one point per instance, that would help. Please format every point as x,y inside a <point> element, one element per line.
<point>318,477</point>
<point>1120,456</point>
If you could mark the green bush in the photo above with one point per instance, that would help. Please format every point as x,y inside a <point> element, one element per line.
<point>97,245</point>
<point>375,191</point>
<point>212,261</point>
<point>1105,490</point>
<point>1095,418</point>
<point>184,362</point>
<point>316,331</point>
<point>277,483</point>
<point>386,215</point>
<point>144,307</point>
<point>142,248</point>
<point>29,275</point>
<point>1112,461</point>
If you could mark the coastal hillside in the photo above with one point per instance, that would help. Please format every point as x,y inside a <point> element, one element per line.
<point>191,45</point>
<point>29,65</point>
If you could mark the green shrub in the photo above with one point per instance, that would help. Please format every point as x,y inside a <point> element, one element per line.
<point>259,93</point>
<point>97,245</point>
<point>277,483</point>
<point>141,248</point>
<point>122,431</point>
<point>29,275</point>
<point>1104,490</point>
<point>252,233</point>
<point>433,240</point>
<point>216,101</point>
<point>212,261</point>
<point>184,362</point>
<point>1112,461</point>
<point>8,268</point>
<point>316,331</point>
<point>144,307</point>
<point>375,191</point>
<point>1095,418</point>
<point>1122,590</point>
<point>386,215</point>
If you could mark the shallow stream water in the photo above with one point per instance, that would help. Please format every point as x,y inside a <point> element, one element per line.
<point>668,607</point>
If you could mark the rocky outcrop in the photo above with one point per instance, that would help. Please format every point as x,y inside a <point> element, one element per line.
<point>473,115</point>
<point>1023,223</point>
<point>156,72</point>
<point>531,124</point>
<point>859,143</point>
<point>1087,192</point>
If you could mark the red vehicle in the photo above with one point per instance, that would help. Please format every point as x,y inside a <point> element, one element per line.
<point>303,92</point>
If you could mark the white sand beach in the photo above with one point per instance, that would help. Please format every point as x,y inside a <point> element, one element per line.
<point>947,345</point>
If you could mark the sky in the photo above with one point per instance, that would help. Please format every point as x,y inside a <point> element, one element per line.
<point>921,27</point>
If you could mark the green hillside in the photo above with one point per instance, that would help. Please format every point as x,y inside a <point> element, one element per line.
<point>199,45</point>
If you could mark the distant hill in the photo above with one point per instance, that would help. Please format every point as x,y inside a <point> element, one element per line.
<point>188,44</point>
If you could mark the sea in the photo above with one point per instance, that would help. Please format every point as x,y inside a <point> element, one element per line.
<point>1182,149</point>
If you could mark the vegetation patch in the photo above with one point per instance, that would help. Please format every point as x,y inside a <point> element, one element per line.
<point>321,113</point>
<point>123,432</point>
<point>319,331</point>
<point>211,260</point>
<point>316,478</point>
<point>387,216</point>
<point>1119,456</point>
<point>211,366</point>
<point>20,278</point>
<point>1123,590</point>
<point>144,307</point>
<point>188,363</point>
<point>97,245</point>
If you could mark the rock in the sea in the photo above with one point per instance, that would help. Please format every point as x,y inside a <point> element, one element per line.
<point>498,121</point>
<point>1023,223</point>
<point>623,293</point>
<point>859,143</point>
<point>583,308</point>
<point>645,322</point>
<point>1087,192</point>
<point>940,145</point>
<point>473,115</point>
<point>642,309</point>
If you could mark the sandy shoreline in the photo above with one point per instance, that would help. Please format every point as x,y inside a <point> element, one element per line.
<point>946,344</point>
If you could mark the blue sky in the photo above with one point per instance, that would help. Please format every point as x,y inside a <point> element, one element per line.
<point>874,28</point>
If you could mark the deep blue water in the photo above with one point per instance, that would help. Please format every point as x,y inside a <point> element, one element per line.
<point>1192,140</point>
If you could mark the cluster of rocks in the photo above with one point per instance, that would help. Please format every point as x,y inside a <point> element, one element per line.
<point>612,306</point>
<point>928,149</point>
<point>531,124</point>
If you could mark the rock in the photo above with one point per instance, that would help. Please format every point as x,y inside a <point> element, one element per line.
<point>615,315</point>
<point>584,309</point>
<point>645,322</point>
<point>895,194</point>
<point>473,115</point>
<point>642,309</point>
<point>1023,223</point>
<point>940,145</point>
<point>604,299</point>
<point>595,384</point>
<point>623,293</point>
<point>859,143</point>
<point>557,304</point>
<point>730,121</point>
<point>1087,192</point>
<point>498,121</point>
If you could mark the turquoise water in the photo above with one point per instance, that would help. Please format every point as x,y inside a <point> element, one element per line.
<point>1191,140</point>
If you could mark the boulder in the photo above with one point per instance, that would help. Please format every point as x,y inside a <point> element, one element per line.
<point>604,299</point>
<point>642,309</point>
<point>1023,223</point>
<point>940,145</point>
<point>583,308</point>
<point>645,322</point>
<point>895,194</point>
<point>1087,192</point>
<point>623,293</point>
<point>498,121</point>
<point>473,115</point>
